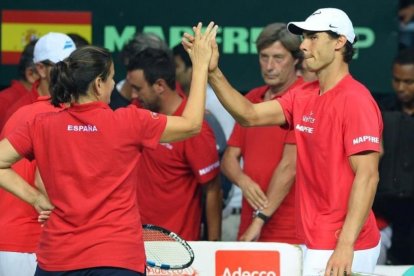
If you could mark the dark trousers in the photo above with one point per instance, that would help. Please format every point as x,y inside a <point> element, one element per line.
<point>93,271</point>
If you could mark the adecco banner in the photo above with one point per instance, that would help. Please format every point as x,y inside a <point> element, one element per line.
<point>113,23</point>
<point>247,262</point>
<point>240,259</point>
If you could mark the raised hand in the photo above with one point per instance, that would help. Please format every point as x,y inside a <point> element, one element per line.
<point>189,41</point>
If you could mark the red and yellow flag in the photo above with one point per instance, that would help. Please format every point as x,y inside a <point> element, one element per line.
<point>18,27</point>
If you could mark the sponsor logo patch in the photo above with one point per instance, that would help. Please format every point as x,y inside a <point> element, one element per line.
<point>365,138</point>
<point>247,263</point>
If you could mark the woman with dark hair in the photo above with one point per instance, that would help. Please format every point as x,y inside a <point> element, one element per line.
<point>87,156</point>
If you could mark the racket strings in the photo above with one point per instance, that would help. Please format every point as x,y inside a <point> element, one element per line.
<point>163,249</point>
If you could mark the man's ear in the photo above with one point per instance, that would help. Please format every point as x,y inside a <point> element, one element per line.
<point>159,86</point>
<point>340,42</point>
<point>31,74</point>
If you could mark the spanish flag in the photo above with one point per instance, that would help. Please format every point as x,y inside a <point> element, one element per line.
<point>19,27</point>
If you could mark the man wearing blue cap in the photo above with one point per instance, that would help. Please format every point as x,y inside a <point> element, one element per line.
<point>337,127</point>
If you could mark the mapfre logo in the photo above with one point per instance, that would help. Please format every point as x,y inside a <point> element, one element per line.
<point>247,263</point>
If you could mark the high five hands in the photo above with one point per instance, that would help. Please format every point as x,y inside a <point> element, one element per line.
<point>195,45</point>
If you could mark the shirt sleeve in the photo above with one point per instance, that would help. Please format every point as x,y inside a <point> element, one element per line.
<point>362,125</point>
<point>290,137</point>
<point>236,137</point>
<point>148,125</point>
<point>286,101</point>
<point>202,155</point>
<point>22,139</point>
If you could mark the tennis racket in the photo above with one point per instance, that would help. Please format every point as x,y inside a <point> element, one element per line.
<point>165,249</point>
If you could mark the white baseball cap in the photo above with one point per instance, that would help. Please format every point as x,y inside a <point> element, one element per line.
<point>327,19</point>
<point>54,47</point>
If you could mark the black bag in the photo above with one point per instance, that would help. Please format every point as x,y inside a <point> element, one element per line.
<point>397,164</point>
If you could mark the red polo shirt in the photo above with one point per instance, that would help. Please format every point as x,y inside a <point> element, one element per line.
<point>87,155</point>
<point>329,128</point>
<point>170,180</point>
<point>8,97</point>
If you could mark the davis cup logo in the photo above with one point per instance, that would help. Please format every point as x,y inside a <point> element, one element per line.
<point>247,263</point>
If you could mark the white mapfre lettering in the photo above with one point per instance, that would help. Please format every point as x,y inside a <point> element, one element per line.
<point>304,128</point>
<point>209,168</point>
<point>240,272</point>
<point>365,138</point>
<point>82,128</point>
<point>167,145</point>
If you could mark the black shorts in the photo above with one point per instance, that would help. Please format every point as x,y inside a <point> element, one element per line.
<point>93,271</point>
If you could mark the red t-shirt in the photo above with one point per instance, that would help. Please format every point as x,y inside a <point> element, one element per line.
<point>8,97</point>
<point>170,179</point>
<point>19,229</point>
<point>329,129</point>
<point>27,98</point>
<point>87,155</point>
<point>262,150</point>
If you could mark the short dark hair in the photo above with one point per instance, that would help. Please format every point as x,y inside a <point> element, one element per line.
<point>156,64</point>
<point>139,42</point>
<point>404,57</point>
<point>26,60</point>
<point>73,76</point>
<point>179,51</point>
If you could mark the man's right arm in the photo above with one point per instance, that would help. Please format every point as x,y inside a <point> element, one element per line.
<point>244,112</point>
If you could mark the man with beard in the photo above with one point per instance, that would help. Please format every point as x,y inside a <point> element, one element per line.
<point>171,177</point>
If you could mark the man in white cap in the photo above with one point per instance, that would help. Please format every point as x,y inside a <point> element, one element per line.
<point>48,50</point>
<point>19,229</point>
<point>338,128</point>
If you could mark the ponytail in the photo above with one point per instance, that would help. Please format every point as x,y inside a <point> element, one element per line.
<point>62,84</point>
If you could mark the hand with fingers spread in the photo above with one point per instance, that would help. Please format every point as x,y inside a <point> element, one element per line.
<point>189,42</point>
<point>199,47</point>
